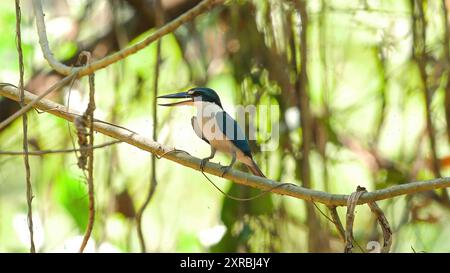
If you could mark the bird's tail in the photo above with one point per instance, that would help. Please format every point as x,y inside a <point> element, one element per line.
<point>255,169</point>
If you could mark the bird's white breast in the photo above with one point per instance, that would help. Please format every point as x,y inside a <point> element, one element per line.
<point>206,120</point>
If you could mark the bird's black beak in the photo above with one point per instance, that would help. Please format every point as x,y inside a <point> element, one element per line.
<point>181,95</point>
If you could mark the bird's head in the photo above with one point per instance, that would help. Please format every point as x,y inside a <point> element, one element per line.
<point>200,94</point>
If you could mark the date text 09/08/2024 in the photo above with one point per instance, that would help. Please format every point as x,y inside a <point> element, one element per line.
<point>225,263</point>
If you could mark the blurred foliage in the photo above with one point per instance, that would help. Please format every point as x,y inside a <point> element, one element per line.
<point>70,194</point>
<point>368,124</point>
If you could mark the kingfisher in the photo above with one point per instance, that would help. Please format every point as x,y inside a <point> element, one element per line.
<point>216,127</point>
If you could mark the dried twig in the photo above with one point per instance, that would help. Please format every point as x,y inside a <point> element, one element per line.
<point>239,177</point>
<point>60,151</point>
<point>337,222</point>
<point>420,56</point>
<point>352,201</point>
<point>31,104</point>
<point>108,60</point>
<point>153,181</point>
<point>351,205</point>
<point>25,129</point>
<point>445,9</point>
<point>387,232</point>
<point>315,243</point>
<point>88,120</point>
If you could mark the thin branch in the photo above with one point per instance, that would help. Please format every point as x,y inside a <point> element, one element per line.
<point>25,129</point>
<point>382,220</point>
<point>351,205</point>
<point>31,104</point>
<point>419,28</point>
<point>89,118</point>
<point>445,10</point>
<point>108,60</point>
<point>60,151</point>
<point>337,222</point>
<point>238,177</point>
<point>315,243</point>
<point>153,181</point>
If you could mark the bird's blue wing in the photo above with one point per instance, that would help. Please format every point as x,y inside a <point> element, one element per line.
<point>230,128</point>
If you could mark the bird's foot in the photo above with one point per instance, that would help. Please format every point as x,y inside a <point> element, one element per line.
<point>203,163</point>
<point>225,169</point>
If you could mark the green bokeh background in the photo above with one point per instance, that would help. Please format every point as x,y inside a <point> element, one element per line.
<point>186,209</point>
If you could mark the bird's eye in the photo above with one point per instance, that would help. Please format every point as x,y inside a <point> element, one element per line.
<point>190,92</point>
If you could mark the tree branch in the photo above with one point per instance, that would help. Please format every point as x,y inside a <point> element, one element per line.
<point>59,151</point>
<point>25,129</point>
<point>350,218</point>
<point>382,220</point>
<point>110,59</point>
<point>315,243</point>
<point>153,182</point>
<point>87,120</point>
<point>337,222</point>
<point>26,108</point>
<point>238,177</point>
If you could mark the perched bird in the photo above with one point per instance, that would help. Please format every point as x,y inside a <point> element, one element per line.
<point>216,127</point>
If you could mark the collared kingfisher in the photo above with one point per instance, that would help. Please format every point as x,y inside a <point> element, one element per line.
<point>216,127</point>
